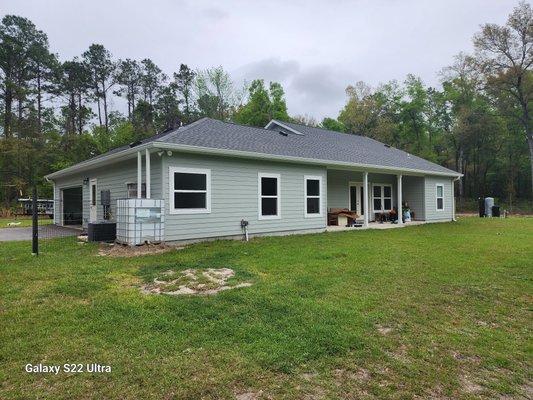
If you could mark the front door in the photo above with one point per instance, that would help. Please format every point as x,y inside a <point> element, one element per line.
<point>357,199</point>
<point>92,201</point>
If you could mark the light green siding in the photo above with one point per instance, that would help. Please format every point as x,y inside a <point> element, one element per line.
<point>112,177</point>
<point>432,214</point>
<point>413,194</point>
<point>234,196</point>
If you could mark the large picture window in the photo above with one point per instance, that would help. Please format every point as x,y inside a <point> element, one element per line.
<point>382,197</point>
<point>313,196</point>
<point>190,190</point>
<point>269,196</point>
<point>440,197</point>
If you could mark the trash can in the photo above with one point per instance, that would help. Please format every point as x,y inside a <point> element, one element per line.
<point>481,206</point>
<point>489,202</point>
<point>496,211</point>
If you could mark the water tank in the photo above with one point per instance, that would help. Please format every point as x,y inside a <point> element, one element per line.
<point>140,221</point>
<point>489,202</point>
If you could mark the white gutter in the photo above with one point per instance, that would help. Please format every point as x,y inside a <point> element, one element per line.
<point>128,153</point>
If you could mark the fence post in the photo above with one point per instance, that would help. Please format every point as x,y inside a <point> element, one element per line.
<point>34,224</point>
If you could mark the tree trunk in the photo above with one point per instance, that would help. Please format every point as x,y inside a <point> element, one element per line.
<point>104,98</point>
<point>80,116</point>
<point>530,143</point>
<point>8,104</point>
<point>39,104</point>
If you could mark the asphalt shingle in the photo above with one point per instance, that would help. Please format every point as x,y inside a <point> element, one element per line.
<point>313,143</point>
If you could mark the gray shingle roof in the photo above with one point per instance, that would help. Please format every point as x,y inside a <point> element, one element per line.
<point>313,143</point>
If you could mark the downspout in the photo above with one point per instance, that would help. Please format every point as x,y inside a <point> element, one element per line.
<point>454,219</point>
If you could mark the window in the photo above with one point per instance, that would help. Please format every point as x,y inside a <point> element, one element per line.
<point>313,193</point>
<point>93,194</point>
<point>132,190</point>
<point>269,196</point>
<point>382,197</point>
<point>190,190</point>
<point>440,197</point>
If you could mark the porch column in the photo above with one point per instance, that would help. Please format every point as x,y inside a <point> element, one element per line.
<point>400,200</point>
<point>365,196</point>
<point>147,173</point>
<point>139,174</point>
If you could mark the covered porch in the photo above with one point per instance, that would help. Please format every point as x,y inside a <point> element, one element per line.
<point>373,199</point>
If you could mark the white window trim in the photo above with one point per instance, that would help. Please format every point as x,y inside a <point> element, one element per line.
<point>171,190</point>
<point>259,196</point>
<point>319,197</point>
<point>382,197</point>
<point>437,197</point>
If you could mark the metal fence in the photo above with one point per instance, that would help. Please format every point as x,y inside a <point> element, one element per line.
<point>49,229</point>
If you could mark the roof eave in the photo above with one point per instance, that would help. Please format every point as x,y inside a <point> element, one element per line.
<point>128,153</point>
<point>98,162</point>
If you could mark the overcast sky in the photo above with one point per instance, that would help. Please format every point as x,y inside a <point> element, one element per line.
<point>314,48</point>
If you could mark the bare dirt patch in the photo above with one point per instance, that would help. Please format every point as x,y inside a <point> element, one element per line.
<point>249,395</point>
<point>119,250</point>
<point>193,282</point>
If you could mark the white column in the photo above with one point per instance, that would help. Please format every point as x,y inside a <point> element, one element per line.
<point>139,174</point>
<point>365,196</point>
<point>147,173</point>
<point>400,200</point>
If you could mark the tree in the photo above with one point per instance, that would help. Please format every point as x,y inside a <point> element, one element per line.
<point>263,105</point>
<point>151,80</point>
<point>102,68</point>
<point>505,55</point>
<point>75,84</point>
<point>128,76</point>
<point>332,125</point>
<point>23,53</point>
<point>184,81</point>
<point>214,91</point>
<point>361,112</point>
<point>278,109</point>
<point>167,111</point>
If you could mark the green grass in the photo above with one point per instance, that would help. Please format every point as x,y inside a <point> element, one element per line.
<point>24,221</point>
<point>440,310</point>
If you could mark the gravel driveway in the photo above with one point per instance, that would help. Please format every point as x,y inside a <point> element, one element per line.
<point>45,232</point>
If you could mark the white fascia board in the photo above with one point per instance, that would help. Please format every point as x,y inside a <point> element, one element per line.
<point>301,160</point>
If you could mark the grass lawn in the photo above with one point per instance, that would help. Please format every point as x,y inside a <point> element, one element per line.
<point>439,310</point>
<point>24,221</point>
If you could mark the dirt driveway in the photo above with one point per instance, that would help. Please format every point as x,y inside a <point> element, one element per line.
<point>45,232</point>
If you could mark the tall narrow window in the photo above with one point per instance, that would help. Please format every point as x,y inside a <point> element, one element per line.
<point>269,196</point>
<point>440,197</point>
<point>190,190</point>
<point>313,193</point>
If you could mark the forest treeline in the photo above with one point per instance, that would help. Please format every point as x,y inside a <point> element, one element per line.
<point>55,113</point>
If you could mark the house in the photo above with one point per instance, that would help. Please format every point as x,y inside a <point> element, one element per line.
<point>281,179</point>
